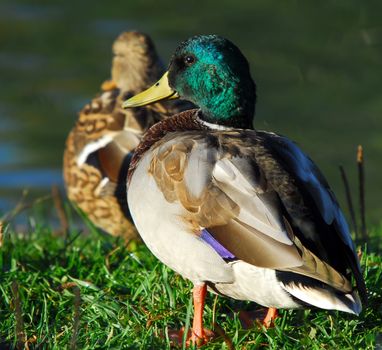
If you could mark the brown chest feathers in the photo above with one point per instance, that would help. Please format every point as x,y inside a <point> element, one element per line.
<point>183,121</point>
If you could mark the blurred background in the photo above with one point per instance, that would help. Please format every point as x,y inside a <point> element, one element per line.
<point>318,69</point>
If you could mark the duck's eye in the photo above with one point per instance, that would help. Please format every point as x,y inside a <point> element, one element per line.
<point>189,60</point>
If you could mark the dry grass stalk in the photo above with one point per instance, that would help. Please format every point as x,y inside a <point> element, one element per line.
<point>76,319</point>
<point>349,201</point>
<point>220,331</point>
<point>361,181</point>
<point>58,203</point>
<point>21,206</point>
<point>1,233</point>
<point>20,334</point>
<point>77,312</point>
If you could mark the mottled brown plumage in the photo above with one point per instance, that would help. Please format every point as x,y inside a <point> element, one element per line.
<point>99,147</point>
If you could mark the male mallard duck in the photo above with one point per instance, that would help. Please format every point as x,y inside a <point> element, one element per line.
<point>99,147</point>
<point>244,212</point>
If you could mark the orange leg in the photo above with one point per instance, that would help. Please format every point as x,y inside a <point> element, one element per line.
<point>264,317</point>
<point>199,335</point>
<point>269,318</point>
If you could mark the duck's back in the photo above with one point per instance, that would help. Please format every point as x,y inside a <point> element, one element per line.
<point>91,180</point>
<point>97,157</point>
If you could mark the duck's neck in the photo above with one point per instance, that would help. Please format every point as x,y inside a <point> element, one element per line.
<point>229,111</point>
<point>187,120</point>
<point>228,102</point>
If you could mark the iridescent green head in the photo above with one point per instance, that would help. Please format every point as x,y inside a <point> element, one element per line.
<point>211,72</point>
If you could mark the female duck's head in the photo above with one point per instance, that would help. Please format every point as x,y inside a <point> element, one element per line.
<point>211,72</point>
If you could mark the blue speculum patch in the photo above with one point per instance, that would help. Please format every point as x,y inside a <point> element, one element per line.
<point>222,251</point>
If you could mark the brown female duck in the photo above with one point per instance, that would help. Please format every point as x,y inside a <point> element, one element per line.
<point>99,147</point>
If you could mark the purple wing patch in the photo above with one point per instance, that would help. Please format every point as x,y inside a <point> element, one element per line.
<point>210,240</point>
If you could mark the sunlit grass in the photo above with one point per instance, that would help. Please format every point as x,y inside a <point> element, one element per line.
<point>128,300</point>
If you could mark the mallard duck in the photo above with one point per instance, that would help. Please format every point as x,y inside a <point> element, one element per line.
<point>99,147</point>
<point>243,212</point>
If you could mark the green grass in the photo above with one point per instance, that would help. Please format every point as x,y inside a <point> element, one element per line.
<point>128,300</point>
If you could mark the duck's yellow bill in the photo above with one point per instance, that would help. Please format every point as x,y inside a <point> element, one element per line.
<point>159,91</point>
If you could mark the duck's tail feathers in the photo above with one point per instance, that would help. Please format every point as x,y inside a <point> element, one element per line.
<point>325,297</point>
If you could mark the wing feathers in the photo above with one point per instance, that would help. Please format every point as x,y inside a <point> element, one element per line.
<point>315,268</point>
<point>255,210</point>
<point>254,247</point>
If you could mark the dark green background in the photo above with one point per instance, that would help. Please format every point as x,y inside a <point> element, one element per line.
<point>318,67</point>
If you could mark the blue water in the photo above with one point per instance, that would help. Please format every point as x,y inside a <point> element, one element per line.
<point>35,178</point>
